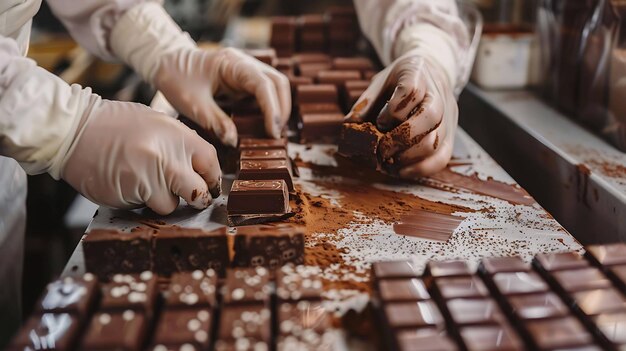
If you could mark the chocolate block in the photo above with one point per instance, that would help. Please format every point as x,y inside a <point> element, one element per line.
<point>310,70</point>
<point>474,311</point>
<point>296,81</point>
<point>294,283</point>
<point>608,255</point>
<point>413,315</point>
<point>360,85</point>
<point>423,339</point>
<point>318,108</point>
<point>245,321</point>
<point>302,317</point>
<point>267,56</point>
<point>283,33</point>
<point>267,170</point>
<point>451,288</point>
<point>268,154</point>
<point>538,306</point>
<point>493,265</point>
<point>252,126</point>
<point>338,78</point>
<point>395,269</point>
<point>353,63</point>
<point>613,327</point>
<point>558,333</point>
<point>268,246</point>
<point>115,331</point>
<point>50,331</point>
<point>178,327</point>
<point>70,295</point>
<point>454,268</point>
<point>360,141</point>
<point>598,301</point>
<point>184,250</point>
<point>581,279</point>
<point>490,338</point>
<point>246,286</point>
<point>130,292</point>
<point>320,93</point>
<point>399,290</point>
<point>192,289</point>
<point>250,197</point>
<point>519,283</point>
<point>262,144</point>
<point>551,262</point>
<point>108,252</point>
<point>320,126</point>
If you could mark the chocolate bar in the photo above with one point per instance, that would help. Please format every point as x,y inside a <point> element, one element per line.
<point>248,323</point>
<point>416,314</point>
<point>318,108</point>
<point>360,142</point>
<point>311,57</point>
<point>246,286</point>
<point>184,327</point>
<point>394,269</point>
<point>192,289</point>
<point>49,331</point>
<point>283,37</point>
<point>311,70</point>
<point>252,126</point>
<point>325,127</point>
<point>312,34</point>
<point>262,144</point>
<point>110,251</point>
<point>253,197</point>
<point>296,283</point>
<point>130,292</point>
<point>352,63</point>
<point>338,78</point>
<point>304,320</point>
<point>266,169</point>
<point>69,295</point>
<point>320,93</point>
<point>115,331</point>
<point>402,290</point>
<point>179,249</point>
<point>493,265</point>
<point>268,246</point>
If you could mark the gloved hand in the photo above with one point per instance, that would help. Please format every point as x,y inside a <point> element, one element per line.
<point>126,155</point>
<point>419,119</point>
<point>190,78</point>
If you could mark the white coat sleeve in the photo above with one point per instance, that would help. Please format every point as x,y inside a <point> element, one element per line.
<point>432,27</point>
<point>40,114</point>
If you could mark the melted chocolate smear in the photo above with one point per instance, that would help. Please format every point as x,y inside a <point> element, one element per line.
<point>490,187</point>
<point>427,225</point>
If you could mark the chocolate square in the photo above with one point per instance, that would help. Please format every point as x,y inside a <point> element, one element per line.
<point>70,295</point>
<point>192,289</point>
<point>262,144</point>
<point>519,283</point>
<point>320,126</point>
<point>394,269</point>
<point>311,57</point>
<point>115,331</point>
<point>538,306</point>
<point>452,268</point>
<point>178,327</point>
<point>310,70</point>
<point>251,197</point>
<point>251,126</point>
<point>268,245</point>
<point>413,315</point>
<point>338,78</point>
<point>180,249</point>
<point>245,321</point>
<point>267,170</point>
<point>318,93</point>
<point>399,290</point>
<point>303,317</point>
<point>424,339</point>
<point>495,337</point>
<point>268,154</point>
<point>493,265</point>
<point>475,311</point>
<point>551,262</point>
<point>558,333</point>
<point>318,108</point>
<point>360,141</point>
<point>451,288</point>
<point>352,63</point>
<point>598,301</point>
<point>130,292</point>
<point>582,279</point>
<point>108,252</point>
<point>613,327</point>
<point>294,283</point>
<point>49,331</point>
<point>246,286</point>
<point>608,255</point>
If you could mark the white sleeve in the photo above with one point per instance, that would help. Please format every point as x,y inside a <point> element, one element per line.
<point>433,27</point>
<point>90,22</point>
<point>39,113</point>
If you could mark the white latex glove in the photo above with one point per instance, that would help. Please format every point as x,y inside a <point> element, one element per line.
<point>419,119</point>
<point>126,155</point>
<point>146,38</point>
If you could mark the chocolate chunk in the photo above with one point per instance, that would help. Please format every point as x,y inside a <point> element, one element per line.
<point>338,78</point>
<point>178,327</point>
<point>268,170</point>
<point>250,197</point>
<point>613,327</point>
<point>493,265</point>
<point>71,295</point>
<point>424,339</point>
<point>451,288</point>
<point>283,37</point>
<point>454,268</point>
<point>192,289</point>
<point>130,292</point>
<point>108,252</point>
<point>413,315</point>
<point>246,286</point>
<point>245,321</point>
<point>267,154</point>
<point>320,93</point>
<point>558,333</point>
<point>559,261</point>
<point>296,81</point>
<point>318,108</point>
<point>262,144</point>
<point>360,142</point>
<point>184,250</point>
<point>310,70</point>
<point>608,255</point>
<point>295,283</point>
<point>519,283</point>
<point>394,269</point>
<point>538,306</point>
<point>252,126</point>
<point>582,279</point>
<point>593,302</point>
<point>398,290</point>
<point>312,57</point>
<point>115,331</point>
<point>320,126</point>
<point>303,317</point>
<point>268,246</point>
<point>353,63</point>
<point>490,338</point>
<point>49,331</point>
<point>474,311</point>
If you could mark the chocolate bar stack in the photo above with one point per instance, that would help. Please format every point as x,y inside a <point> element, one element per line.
<point>250,311</point>
<point>560,301</point>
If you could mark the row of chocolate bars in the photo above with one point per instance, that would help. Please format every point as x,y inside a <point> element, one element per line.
<point>251,309</point>
<point>562,301</point>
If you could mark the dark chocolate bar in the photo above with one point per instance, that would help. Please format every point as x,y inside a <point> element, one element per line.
<point>262,144</point>
<point>267,154</point>
<point>320,93</point>
<point>325,127</point>
<point>311,70</point>
<point>253,197</point>
<point>352,63</point>
<point>338,78</point>
<point>394,269</point>
<point>267,169</point>
<point>268,246</point>
<point>318,108</point>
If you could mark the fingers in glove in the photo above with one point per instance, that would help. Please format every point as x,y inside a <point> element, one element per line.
<point>283,90</point>
<point>424,119</point>
<point>424,149</point>
<point>205,163</point>
<point>162,201</point>
<point>372,99</point>
<point>190,186</point>
<point>409,92</point>
<point>212,118</point>
<point>430,165</point>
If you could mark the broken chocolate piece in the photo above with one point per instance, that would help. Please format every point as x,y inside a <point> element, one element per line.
<point>360,142</point>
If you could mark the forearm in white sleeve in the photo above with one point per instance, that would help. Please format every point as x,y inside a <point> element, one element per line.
<point>40,114</point>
